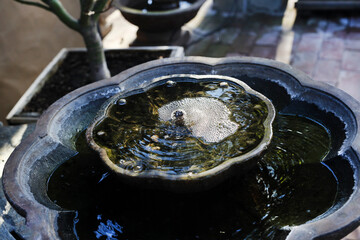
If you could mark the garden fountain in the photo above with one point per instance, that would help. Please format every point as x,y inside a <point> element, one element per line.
<point>302,183</point>
<point>158,20</point>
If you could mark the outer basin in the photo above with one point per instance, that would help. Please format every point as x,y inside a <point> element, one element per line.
<point>291,91</point>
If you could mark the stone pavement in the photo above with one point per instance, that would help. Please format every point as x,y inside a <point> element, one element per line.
<point>326,47</point>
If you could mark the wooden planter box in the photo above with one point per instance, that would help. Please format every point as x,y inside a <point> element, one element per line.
<point>19,114</point>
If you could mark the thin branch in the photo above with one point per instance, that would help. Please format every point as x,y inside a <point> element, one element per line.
<point>34,4</point>
<point>58,9</point>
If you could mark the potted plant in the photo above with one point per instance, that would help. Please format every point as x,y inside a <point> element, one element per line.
<point>86,25</point>
<point>94,56</point>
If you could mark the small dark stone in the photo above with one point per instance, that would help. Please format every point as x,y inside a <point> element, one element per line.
<point>178,114</point>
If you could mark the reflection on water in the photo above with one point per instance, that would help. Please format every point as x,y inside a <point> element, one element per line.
<point>289,186</point>
<point>109,230</point>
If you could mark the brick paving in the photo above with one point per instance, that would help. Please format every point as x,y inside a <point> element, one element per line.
<point>325,46</point>
<point>328,49</point>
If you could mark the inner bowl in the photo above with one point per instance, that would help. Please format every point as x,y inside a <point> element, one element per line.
<point>184,130</point>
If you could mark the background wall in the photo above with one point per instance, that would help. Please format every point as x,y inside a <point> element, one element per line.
<point>29,38</point>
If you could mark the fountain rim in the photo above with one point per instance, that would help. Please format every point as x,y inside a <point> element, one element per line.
<point>22,199</point>
<point>195,5</point>
<point>224,166</point>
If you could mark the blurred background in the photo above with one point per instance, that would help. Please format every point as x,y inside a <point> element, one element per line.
<point>322,40</point>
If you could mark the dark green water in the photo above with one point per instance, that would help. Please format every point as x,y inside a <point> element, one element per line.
<point>288,187</point>
<point>137,139</point>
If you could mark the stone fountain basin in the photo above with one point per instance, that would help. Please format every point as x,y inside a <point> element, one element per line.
<point>157,21</point>
<point>291,91</point>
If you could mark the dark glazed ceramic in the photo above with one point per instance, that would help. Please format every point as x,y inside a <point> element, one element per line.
<point>291,92</point>
<point>157,21</point>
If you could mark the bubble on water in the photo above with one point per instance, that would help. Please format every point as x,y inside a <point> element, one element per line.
<point>206,118</point>
<point>100,133</point>
<point>170,83</point>
<point>138,168</point>
<point>127,163</point>
<point>121,101</point>
<point>224,85</point>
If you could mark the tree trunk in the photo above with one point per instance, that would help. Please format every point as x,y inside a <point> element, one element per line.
<point>95,51</point>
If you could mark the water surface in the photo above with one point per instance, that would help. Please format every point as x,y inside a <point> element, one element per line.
<point>289,186</point>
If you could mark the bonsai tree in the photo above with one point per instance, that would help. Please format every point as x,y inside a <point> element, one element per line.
<point>86,26</point>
